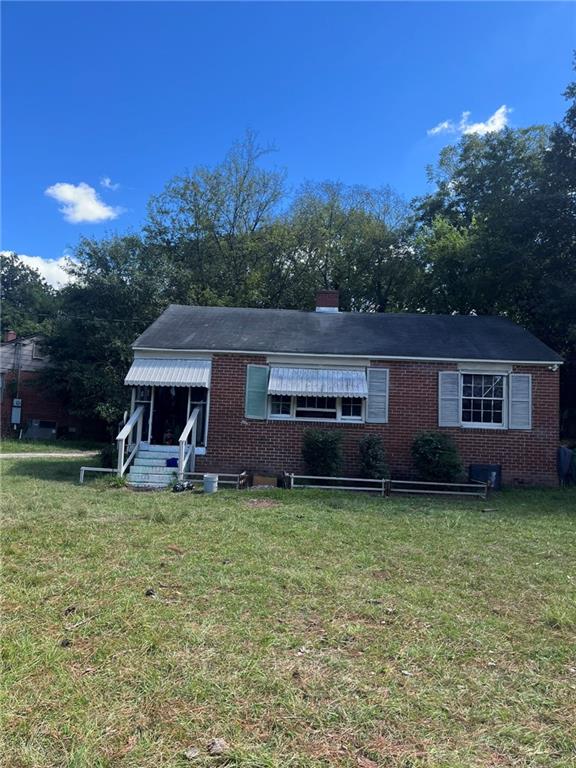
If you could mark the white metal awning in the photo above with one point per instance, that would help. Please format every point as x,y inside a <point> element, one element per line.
<point>318,381</point>
<point>147,372</point>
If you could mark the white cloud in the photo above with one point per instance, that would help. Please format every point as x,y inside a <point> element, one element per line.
<point>107,183</point>
<point>495,123</point>
<point>52,270</point>
<point>446,126</point>
<point>81,203</point>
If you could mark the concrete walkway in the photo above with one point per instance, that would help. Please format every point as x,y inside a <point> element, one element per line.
<point>55,455</point>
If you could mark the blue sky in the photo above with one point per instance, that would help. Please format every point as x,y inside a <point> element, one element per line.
<point>138,92</point>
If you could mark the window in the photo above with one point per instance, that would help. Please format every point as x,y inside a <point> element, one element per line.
<point>143,394</point>
<point>483,398</point>
<point>280,405</point>
<point>37,353</point>
<point>316,408</point>
<point>351,408</point>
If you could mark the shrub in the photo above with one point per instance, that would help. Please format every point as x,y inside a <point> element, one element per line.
<point>322,452</point>
<point>109,455</point>
<point>373,457</point>
<point>436,458</point>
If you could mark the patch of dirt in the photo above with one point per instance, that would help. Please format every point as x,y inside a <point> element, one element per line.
<point>381,575</point>
<point>391,748</point>
<point>262,504</point>
<point>331,747</point>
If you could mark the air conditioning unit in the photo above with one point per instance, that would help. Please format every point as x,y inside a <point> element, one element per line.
<point>38,429</point>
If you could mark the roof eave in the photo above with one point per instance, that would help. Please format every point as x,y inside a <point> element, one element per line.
<point>557,361</point>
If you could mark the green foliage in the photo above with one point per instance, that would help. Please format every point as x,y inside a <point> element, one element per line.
<point>214,226</point>
<point>113,481</point>
<point>454,625</point>
<point>373,457</point>
<point>322,452</point>
<point>119,288</point>
<point>228,241</point>
<point>498,234</point>
<point>354,238</point>
<point>28,302</point>
<point>436,458</point>
<point>109,455</point>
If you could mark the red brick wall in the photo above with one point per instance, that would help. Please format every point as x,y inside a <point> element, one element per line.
<point>36,403</point>
<point>236,443</point>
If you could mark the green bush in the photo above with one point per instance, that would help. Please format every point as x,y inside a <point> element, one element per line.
<point>322,452</point>
<point>109,455</point>
<point>436,458</point>
<point>373,457</point>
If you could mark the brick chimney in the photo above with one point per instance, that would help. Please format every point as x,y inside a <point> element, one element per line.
<point>10,335</point>
<point>327,300</point>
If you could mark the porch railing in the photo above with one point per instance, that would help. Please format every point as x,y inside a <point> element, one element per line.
<point>187,444</point>
<point>127,440</point>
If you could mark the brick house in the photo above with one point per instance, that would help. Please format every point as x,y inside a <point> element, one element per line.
<point>27,409</point>
<point>256,379</point>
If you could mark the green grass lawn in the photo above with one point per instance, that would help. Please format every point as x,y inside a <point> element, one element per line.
<point>306,629</point>
<point>9,445</point>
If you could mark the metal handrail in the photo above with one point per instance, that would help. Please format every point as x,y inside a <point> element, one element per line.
<point>134,421</point>
<point>184,455</point>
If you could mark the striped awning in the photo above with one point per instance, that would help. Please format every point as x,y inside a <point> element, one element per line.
<point>147,372</point>
<point>318,381</point>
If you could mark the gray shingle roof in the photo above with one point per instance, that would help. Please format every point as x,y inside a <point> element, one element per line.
<point>233,329</point>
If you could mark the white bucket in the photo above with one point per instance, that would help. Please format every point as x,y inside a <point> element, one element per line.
<point>210,483</point>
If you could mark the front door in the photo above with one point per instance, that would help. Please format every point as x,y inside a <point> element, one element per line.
<point>169,415</point>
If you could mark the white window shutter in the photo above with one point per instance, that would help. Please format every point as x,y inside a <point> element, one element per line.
<point>256,391</point>
<point>520,401</point>
<point>448,399</point>
<point>377,405</point>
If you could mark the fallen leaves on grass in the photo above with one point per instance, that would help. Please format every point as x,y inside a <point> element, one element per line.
<point>217,747</point>
<point>262,503</point>
<point>365,762</point>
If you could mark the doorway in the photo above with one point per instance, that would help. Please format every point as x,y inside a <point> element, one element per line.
<point>169,415</point>
<point>171,408</point>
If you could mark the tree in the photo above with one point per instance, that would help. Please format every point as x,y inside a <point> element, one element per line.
<point>557,208</point>
<point>28,302</point>
<point>489,234</point>
<point>353,239</point>
<point>119,287</point>
<point>208,224</point>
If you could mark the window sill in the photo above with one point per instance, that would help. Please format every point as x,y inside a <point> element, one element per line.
<point>316,421</point>
<point>491,427</point>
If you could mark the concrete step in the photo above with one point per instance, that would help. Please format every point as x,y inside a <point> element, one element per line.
<point>146,485</point>
<point>140,470</point>
<point>160,478</point>
<point>144,470</point>
<point>161,455</point>
<point>142,460</point>
<point>158,448</point>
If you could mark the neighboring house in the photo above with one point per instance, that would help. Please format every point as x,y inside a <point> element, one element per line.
<point>26,408</point>
<point>261,377</point>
